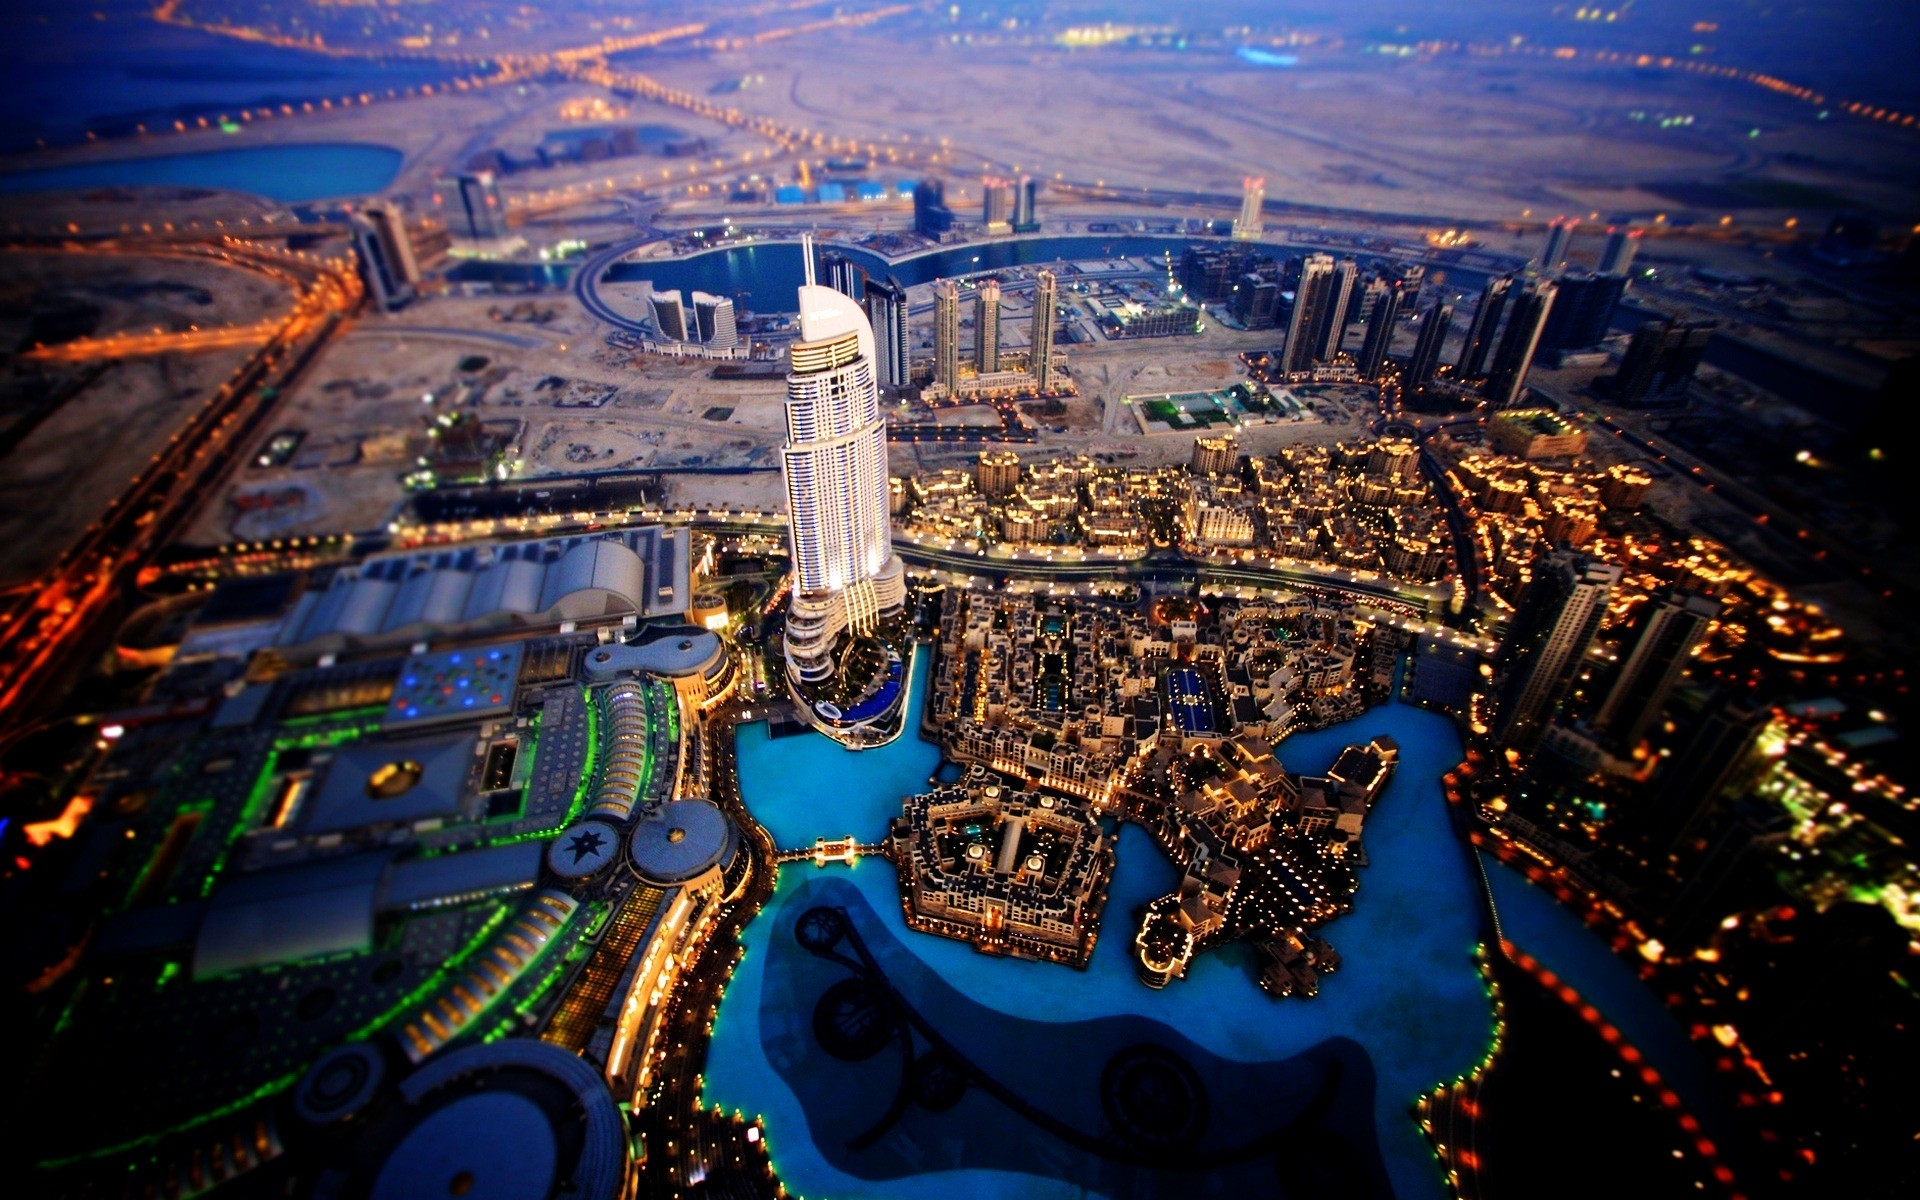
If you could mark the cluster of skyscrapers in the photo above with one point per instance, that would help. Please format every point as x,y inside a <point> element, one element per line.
<point>1548,308</point>
<point>989,366</point>
<point>1006,206</point>
<point>1547,647</point>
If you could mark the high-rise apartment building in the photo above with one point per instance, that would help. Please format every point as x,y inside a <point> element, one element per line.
<point>669,316</point>
<point>387,263</point>
<point>931,216</point>
<point>1673,623</point>
<point>846,277</point>
<point>887,313</point>
<point>714,321</point>
<point>1484,326</point>
<point>946,334</point>
<point>1553,252</point>
<point>1215,454</point>
<point>1026,205</point>
<point>1547,643</point>
<point>1046,309</point>
<point>1339,311</point>
<point>1311,298</point>
<point>1434,328</point>
<point>1507,376</point>
<point>1659,364</point>
<point>1379,339</point>
<point>1583,308</point>
<point>1208,272</point>
<point>996,205</point>
<point>986,327</point>
<point>1249,225</point>
<point>1616,257</point>
<point>845,574</point>
<point>1255,301</point>
<point>483,205</point>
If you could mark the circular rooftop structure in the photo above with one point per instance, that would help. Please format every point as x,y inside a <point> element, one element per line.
<point>340,1084</point>
<point>682,840</point>
<point>582,849</point>
<point>515,1120</point>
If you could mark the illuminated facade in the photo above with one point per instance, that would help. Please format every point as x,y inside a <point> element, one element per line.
<point>845,575</point>
<point>946,334</point>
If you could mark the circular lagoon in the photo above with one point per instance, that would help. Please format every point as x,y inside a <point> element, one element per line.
<point>891,1063</point>
<point>291,174</point>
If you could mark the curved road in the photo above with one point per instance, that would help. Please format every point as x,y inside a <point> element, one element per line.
<point>586,283</point>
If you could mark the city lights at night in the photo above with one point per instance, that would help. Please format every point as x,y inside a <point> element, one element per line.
<point>640,600</point>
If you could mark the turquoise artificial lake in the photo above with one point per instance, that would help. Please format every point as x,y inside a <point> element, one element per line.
<point>1408,992</point>
<point>291,174</point>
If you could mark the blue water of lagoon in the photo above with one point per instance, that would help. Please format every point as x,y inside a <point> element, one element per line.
<point>1406,1009</point>
<point>291,174</point>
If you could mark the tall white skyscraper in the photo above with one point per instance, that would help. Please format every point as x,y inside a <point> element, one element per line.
<point>1253,197</point>
<point>1311,299</point>
<point>1339,310</point>
<point>1506,382</point>
<point>845,575</point>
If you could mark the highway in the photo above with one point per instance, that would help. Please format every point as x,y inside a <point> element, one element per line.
<point>140,345</point>
<point>45,633</point>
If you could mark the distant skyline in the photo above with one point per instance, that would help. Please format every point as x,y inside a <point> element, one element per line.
<point>76,72</point>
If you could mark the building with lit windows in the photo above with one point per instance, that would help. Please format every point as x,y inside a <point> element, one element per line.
<point>1547,644</point>
<point>1046,306</point>
<point>845,576</point>
<point>946,334</point>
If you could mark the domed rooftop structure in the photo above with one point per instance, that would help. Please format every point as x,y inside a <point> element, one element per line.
<point>582,849</point>
<point>682,840</point>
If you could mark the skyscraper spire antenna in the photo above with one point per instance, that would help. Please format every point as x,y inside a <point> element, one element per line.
<point>806,253</point>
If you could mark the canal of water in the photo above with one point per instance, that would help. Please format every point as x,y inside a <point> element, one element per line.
<point>764,277</point>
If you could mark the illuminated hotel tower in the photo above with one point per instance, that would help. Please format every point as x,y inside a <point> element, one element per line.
<point>845,575</point>
<point>1253,197</point>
